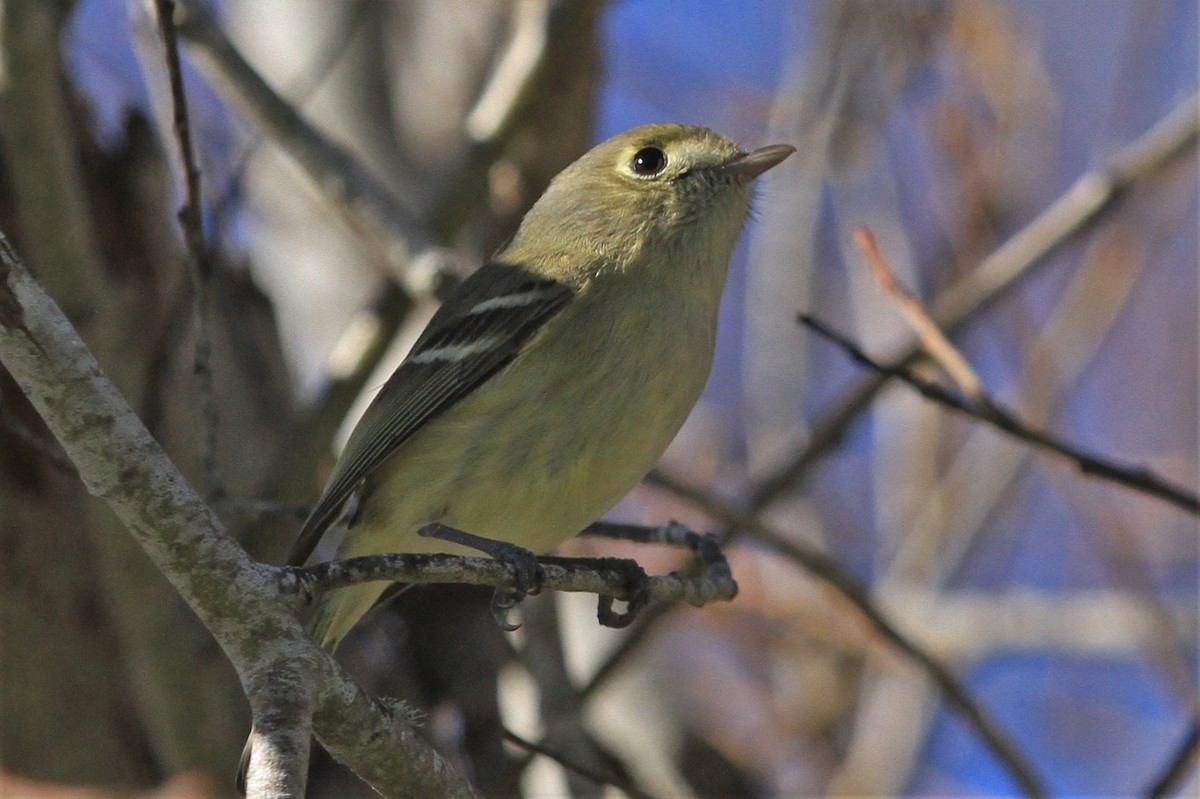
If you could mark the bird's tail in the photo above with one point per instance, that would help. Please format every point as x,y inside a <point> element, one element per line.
<point>337,611</point>
<point>244,765</point>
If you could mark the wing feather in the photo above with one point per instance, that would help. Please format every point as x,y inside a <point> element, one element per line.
<point>475,333</point>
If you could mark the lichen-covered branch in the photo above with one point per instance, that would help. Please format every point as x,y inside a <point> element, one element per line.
<point>237,599</point>
<point>593,576</point>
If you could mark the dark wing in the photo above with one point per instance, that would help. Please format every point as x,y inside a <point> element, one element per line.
<point>475,333</point>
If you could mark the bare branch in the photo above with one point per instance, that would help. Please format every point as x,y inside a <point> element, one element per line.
<point>829,571</point>
<point>579,575</point>
<point>570,765</point>
<point>1178,766</point>
<point>321,65</point>
<point>989,411</point>
<point>333,170</point>
<point>1081,205</point>
<point>931,338</point>
<point>200,264</point>
<point>1077,210</point>
<point>281,703</point>
<point>513,74</point>
<point>237,599</point>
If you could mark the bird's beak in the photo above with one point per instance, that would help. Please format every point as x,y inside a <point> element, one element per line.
<point>751,165</point>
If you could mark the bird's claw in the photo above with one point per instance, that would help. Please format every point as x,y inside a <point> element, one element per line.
<point>639,597</point>
<point>528,577</point>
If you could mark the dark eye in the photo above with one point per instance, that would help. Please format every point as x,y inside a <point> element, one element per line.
<point>648,161</point>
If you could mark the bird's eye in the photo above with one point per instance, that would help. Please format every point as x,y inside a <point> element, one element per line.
<point>648,161</point>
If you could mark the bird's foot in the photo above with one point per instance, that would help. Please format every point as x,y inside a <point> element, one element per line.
<point>528,575</point>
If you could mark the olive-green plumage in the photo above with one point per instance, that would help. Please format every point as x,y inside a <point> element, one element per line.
<point>554,378</point>
<point>556,375</point>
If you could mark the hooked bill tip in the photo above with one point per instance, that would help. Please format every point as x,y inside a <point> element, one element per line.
<point>751,165</point>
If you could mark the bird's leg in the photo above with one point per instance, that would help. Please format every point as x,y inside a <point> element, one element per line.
<point>527,572</point>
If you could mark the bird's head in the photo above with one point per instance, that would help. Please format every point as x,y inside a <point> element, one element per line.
<point>654,188</point>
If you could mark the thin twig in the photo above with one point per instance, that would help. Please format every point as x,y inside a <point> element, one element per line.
<point>829,571</point>
<point>1075,211</point>
<point>329,55</point>
<point>931,338</point>
<point>1177,767</point>
<point>599,779</point>
<point>991,412</point>
<point>199,262</point>
<point>417,262</point>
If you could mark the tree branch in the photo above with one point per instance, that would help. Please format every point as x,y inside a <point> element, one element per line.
<point>245,604</point>
<point>989,411</point>
<point>930,337</point>
<point>1077,210</point>
<point>332,168</point>
<point>200,264</point>
<point>602,577</point>
<point>281,706</point>
<point>1177,767</point>
<point>237,599</point>
<point>571,765</point>
<point>829,571</point>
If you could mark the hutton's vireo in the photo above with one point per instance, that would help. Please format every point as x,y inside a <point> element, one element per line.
<point>554,377</point>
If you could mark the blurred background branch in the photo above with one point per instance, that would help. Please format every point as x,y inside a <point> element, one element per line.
<point>1082,204</point>
<point>987,410</point>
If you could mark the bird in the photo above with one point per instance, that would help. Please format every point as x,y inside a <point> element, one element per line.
<point>552,380</point>
<point>554,377</point>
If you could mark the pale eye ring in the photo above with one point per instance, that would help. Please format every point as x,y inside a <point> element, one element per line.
<point>648,161</point>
